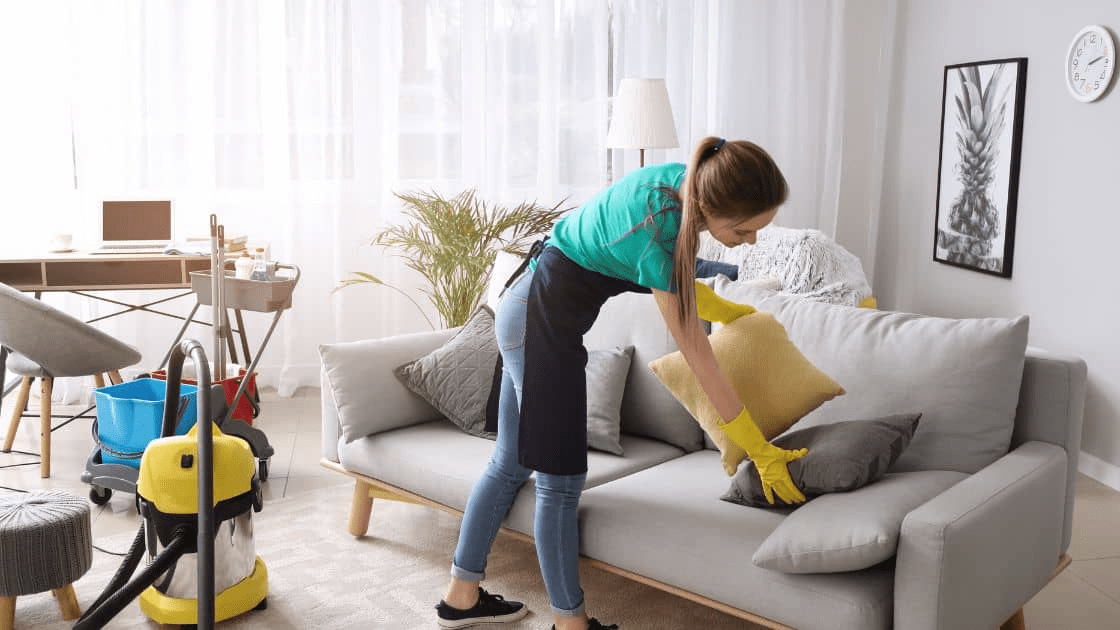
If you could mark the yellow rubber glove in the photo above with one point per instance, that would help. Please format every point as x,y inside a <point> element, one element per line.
<point>771,461</point>
<point>713,308</point>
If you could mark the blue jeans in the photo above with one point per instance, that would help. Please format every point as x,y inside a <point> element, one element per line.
<point>555,527</point>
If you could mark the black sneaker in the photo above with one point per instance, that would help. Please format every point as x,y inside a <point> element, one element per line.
<point>489,609</point>
<point>595,624</point>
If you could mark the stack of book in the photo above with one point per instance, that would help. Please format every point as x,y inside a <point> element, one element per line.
<point>234,244</point>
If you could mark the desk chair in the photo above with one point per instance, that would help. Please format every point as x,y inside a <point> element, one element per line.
<point>45,343</point>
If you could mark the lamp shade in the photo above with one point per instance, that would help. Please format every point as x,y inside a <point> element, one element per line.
<point>641,117</point>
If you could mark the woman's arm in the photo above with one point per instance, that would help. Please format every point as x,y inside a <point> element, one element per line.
<point>697,351</point>
<point>770,461</point>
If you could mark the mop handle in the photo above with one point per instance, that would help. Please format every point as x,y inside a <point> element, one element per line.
<point>215,284</point>
<point>220,359</point>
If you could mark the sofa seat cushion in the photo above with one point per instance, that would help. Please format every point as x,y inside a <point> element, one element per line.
<point>668,524</point>
<point>440,462</point>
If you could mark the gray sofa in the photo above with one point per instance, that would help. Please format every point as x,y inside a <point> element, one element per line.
<point>978,529</point>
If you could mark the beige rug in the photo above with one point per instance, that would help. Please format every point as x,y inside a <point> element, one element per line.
<point>321,577</point>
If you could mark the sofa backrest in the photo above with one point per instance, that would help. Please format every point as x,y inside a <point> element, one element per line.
<point>648,409</point>
<point>962,375</point>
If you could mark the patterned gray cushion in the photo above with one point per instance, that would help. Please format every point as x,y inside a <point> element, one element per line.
<point>456,378</point>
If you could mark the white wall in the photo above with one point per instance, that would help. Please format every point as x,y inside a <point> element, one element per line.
<point>1067,235</point>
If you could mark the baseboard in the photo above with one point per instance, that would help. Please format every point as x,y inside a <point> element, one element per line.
<point>1100,470</point>
<point>286,380</point>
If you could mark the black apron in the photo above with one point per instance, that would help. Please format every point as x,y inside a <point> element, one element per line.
<point>564,301</point>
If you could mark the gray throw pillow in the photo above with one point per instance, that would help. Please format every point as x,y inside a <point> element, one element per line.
<point>850,531</point>
<point>842,456</point>
<point>606,382</point>
<point>458,379</point>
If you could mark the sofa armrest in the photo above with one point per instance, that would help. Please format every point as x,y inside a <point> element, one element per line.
<point>330,427</point>
<point>362,395</point>
<point>973,555</point>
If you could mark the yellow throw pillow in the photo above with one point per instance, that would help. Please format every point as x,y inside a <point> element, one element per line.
<point>776,383</point>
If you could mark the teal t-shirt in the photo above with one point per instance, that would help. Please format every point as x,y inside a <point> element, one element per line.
<point>601,234</point>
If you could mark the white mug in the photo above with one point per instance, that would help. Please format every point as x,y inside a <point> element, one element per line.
<point>62,242</point>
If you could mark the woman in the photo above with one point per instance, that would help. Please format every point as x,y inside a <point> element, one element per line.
<point>641,234</point>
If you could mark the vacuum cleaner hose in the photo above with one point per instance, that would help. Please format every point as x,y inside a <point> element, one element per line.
<point>116,597</point>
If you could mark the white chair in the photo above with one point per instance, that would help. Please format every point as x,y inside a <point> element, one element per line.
<point>40,341</point>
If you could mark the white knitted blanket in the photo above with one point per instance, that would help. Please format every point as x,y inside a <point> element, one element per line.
<point>801,262</point>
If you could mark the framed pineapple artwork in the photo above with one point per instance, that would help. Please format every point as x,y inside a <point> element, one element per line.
<point>978,169</point>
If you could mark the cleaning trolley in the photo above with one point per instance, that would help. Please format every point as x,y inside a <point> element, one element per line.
<point>196,494</point>
<point>127,417</point>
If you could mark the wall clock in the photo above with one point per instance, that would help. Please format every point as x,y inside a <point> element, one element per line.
<point>1090,62</point>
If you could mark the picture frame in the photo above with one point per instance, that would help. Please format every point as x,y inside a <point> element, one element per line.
<point>978,164</point>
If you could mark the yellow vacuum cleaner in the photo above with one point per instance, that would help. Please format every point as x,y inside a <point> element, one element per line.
<point>196,493</point>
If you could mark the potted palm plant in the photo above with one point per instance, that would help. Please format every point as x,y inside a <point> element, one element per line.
<point>453,242</point>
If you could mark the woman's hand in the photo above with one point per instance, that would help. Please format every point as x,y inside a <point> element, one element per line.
<point>771,461</point>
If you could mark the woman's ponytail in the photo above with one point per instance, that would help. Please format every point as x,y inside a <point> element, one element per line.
<point>692,222</point>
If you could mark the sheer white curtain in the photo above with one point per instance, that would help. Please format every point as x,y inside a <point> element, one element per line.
<point>295,122</point>
<point>802,78</point>
<point>277,117</point>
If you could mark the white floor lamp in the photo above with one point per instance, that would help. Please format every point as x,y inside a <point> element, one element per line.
<point>642,118</point>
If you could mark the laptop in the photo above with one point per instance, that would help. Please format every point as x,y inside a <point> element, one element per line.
<point>135,227</point>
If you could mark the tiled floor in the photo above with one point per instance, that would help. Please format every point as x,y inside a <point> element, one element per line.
<point>1085,596</point>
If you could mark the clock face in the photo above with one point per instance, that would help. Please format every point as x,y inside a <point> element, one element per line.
<point>1089,63</point>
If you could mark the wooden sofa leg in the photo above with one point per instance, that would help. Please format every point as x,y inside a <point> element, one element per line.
<point>360,507</point>
<point>1016,622</point>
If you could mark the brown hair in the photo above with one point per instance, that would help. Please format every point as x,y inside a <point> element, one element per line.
<point>724,179</point>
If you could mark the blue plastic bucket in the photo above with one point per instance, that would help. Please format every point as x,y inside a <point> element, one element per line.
<point>130,415</point>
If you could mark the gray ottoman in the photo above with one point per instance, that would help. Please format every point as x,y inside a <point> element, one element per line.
<point>45,544</point>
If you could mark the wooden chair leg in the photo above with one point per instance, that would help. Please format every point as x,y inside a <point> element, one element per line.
<point>360,507</point>
<point>17,412</point>
<point>115,377</point>
<point>1015,622</point>
<point>98,380</point>
<point>7,613</point>
<point>45,427</point>
<point>67,602</point>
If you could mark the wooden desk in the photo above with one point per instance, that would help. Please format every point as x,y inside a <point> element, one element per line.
<point>83,271</point>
